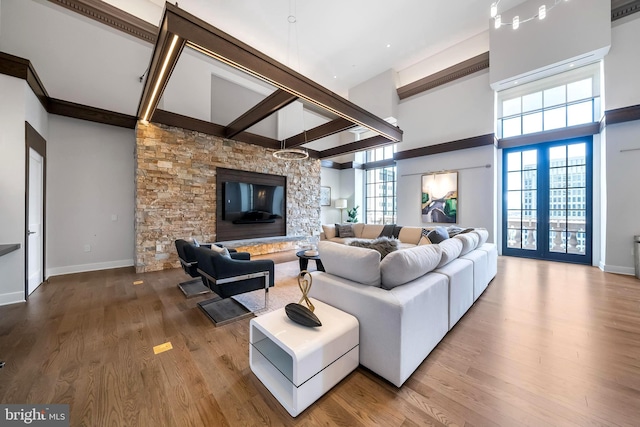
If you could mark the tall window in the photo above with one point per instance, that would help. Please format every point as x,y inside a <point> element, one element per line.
<point>566,100</point>
<point>380,187</point>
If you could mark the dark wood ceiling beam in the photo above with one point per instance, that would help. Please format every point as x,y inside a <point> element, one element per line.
<point>220,45</point>
<point>445,147</point>
<point>447,75</point>
<point>178,120</point>
<point>319,132</point>
<point>363,144</point>
<point>272,103</point>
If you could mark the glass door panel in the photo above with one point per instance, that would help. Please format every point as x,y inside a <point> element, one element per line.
<point>547,200</point>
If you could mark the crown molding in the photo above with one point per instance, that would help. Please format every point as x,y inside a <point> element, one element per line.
<point>21,68</point>
<point>92,114</point>
<point>113,17</point>
<point>618,12</point>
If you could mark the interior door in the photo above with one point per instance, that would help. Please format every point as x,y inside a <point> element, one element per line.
<point>35,230</point>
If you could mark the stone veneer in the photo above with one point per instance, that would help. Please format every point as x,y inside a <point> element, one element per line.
<point>176,189</point>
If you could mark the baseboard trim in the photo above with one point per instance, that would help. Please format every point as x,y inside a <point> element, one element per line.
<point>71,269</point>
<point>629,271</point>
<point>11,298</point>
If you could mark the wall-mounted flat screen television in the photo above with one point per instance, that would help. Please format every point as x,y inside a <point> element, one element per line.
<point>247,203</point>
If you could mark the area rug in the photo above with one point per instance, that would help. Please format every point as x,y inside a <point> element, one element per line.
<point>286,290</point>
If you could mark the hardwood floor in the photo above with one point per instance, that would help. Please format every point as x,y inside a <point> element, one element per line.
<point>546,344</point>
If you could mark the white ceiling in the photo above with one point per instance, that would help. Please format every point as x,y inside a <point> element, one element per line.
<point>338,43</point>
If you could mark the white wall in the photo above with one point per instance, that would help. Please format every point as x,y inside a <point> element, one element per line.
<point>458,110</point>
<point>476,201</point>
<point>76,58</point>
<point>622,63</point>
<point>572,30</point>
<point>90,177</point>
<point>12,186</point>
<point>620,204</point>
<point>331,178</point>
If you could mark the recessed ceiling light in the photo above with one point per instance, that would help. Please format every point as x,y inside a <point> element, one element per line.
<point>335,77</point>
<point>388,44</point>
<point>571,65</point>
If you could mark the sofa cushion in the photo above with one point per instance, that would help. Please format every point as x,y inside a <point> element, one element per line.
<point>483,235</point>
<point>360,265</point>
<point>371,231</point>
<point>469,242</point>
<point>387,230</point>
<point>329,231</point>
<point>357,229</point>
<point>410,235</point>
<point>451,249</point>
<point>345,230</point>
<point>384,245</point>
<point>403,266</point>
<point>438,234</point>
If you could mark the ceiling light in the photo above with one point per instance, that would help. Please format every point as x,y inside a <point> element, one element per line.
<point>290,154</point>
<point>388,45</point>
<point>494,9</point>
<point>542,12</point>
<point>163,70</point>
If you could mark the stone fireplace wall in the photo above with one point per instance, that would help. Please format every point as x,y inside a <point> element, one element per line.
<point>176,189</point>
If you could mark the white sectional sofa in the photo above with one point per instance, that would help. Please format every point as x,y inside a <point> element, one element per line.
<point>408,301</point>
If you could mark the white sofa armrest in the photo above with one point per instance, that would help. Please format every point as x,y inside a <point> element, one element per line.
<point>398,327</point>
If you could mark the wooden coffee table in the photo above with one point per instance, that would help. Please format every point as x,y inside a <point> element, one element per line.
<point>304,261</point>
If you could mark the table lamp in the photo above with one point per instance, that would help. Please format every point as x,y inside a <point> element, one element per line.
<point>341,204</point>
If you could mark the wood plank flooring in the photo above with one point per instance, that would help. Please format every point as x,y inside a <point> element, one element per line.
<point>546,344</point>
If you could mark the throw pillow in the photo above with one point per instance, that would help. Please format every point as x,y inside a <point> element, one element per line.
<point>453,230</point>
<point>384,245</point>
<point>344,231</point>
<point>387,231</point>
<point>424,240</point>
<point>220,250</point>
<point>438,234</point>
<point>396,231</point>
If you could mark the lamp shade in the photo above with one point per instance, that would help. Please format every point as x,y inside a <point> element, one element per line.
<point>341,204</point>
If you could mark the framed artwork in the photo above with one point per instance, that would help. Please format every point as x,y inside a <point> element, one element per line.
<point>325,196</point>
<point>439,201</point>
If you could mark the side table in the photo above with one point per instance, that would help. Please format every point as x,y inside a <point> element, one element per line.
<point>304,261</point>
<point>298,364</point>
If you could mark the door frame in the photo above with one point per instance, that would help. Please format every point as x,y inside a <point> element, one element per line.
<point>542,205</point>
<point>34,140</point>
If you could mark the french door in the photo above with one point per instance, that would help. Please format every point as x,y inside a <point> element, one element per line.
<point>547,201</point>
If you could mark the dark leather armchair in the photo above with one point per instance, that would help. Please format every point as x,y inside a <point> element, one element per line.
<point>187,256</point>
<point>228,276</point>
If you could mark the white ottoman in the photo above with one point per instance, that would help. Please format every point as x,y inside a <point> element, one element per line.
<point>298,364</point>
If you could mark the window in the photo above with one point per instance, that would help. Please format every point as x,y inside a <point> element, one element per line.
<point>568,99</point>
<point>380,187</point>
